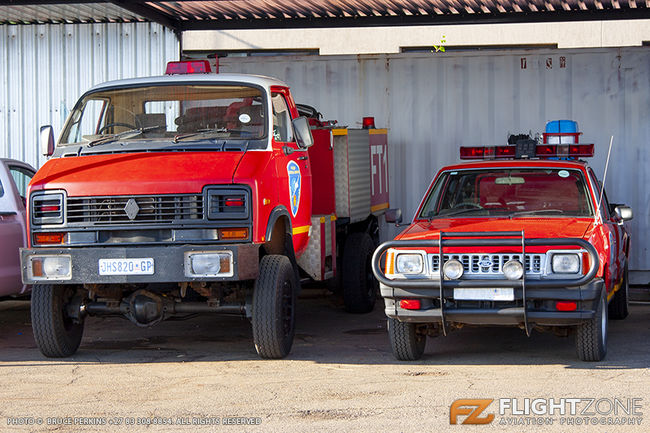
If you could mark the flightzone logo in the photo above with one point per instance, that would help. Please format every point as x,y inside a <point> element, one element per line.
<point>548,411</point>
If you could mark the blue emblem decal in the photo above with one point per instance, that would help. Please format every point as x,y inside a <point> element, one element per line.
<point>485,262</point>
<point>294,186</point>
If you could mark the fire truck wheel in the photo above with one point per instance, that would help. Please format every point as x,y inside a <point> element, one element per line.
<point>56,334</point>
<point>406,343</point>
<point>274,301</point>
<point>591,336</point>
<point>359,284</point>
<point>619,303</point>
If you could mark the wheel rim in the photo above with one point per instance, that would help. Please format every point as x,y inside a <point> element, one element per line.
<point>287,309</point>
<point>68,322</point>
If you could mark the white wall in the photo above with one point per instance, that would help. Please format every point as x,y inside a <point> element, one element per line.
<point>434,103</point>
<point>47,67</point>
<point>388,40</point>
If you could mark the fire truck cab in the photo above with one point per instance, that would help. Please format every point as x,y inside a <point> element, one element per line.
<point>525,237</point>
<point>190,193</point>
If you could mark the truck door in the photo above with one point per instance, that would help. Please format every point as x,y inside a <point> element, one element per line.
<point>293,170</point>
<point>13,229</point>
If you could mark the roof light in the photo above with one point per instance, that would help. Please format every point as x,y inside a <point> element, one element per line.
<point>368,123</point>
<point>561,132</point>
<point>541,151</point>
<point>188,67</point>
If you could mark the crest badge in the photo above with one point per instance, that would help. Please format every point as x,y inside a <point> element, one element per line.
<point>293,171</point>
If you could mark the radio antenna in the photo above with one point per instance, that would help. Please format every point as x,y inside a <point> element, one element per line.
<point>602,186</point>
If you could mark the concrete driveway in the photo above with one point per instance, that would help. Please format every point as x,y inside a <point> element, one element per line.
<point>190,375</point>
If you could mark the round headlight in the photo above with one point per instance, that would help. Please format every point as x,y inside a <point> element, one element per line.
<point>409,264</point>
<point>513,269</point>
<point>453,269</point>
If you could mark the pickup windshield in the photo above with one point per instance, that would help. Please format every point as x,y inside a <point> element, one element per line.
<point>510,193</point>
<point>178,113</point>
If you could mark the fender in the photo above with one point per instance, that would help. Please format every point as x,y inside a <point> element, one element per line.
<point>277,213</point>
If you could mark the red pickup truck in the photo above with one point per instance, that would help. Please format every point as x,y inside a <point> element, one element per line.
<point>522,238</point>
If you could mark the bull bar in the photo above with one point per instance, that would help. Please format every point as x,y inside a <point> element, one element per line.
<point>500,239</point>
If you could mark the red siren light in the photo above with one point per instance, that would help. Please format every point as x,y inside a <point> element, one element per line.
<point>541,151</point>
<point>188,67</point>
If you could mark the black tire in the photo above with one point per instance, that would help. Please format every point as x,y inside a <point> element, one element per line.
<point>56,334</point>
<point>618,306</point>
<point>406,343</point>
<point>274,302</point>
<point>591,335</point>
<point>360,286</point>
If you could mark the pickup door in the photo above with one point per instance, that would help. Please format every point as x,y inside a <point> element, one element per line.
<point>14,178</point>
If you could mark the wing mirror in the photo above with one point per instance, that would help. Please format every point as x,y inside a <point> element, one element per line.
<point>47,140</point>
<point>303,132</point>
<point>624,212</point>
<point>393,216</point>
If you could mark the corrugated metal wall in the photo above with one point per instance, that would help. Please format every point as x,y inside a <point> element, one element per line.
<point>47,68</point>
<point>433,103</point>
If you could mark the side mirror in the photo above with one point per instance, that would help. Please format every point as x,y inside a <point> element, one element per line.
<point>303,132</point>
<point>624,212</point>
<point>393,215</point>
<point>47,140</point>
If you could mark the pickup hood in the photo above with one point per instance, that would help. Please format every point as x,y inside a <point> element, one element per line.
<point>533,227</point>
<point>137,173</point>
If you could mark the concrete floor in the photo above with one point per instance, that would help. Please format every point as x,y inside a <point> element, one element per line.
<point>340,376</point>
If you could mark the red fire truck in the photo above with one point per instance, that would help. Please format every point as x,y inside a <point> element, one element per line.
<point>198,192</point>
<point>526,237</point>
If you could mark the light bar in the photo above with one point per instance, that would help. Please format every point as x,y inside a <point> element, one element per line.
<point>541,151</point>
<point>188,67</point>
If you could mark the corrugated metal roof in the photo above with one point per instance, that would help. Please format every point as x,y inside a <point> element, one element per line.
<point>221,14</point>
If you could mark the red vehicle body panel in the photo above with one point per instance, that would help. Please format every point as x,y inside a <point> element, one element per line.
<point>594,230</point>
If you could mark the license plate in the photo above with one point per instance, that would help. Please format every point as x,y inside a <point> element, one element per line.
<point>499,294</point>
<point>126,266</point>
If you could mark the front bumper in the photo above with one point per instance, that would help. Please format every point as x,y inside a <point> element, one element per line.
<point>169,263</point>
<point>540,309</point>
<point>534,300</point>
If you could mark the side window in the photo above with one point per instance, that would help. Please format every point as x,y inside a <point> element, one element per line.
<point>2,191</point>
<point>282,129</point>
<point>88,120</point>
<point>21,178</point>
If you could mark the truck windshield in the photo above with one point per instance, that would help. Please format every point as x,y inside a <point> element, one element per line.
<point>170,112</point>
<point>513,193</point>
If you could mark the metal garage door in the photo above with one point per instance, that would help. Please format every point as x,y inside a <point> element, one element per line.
<point>434,102</point>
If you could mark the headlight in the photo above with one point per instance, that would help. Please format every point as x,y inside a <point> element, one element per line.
<point>409,264</point>
<point>565,263</point>
<point>209,264</point>
<point>49,267</point>
<point>453,269</point>
<point>513,270</point>
<point>47,208</point>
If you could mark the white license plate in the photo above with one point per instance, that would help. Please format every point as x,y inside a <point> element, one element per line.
<point>126,266</point>
<point>499,294</point>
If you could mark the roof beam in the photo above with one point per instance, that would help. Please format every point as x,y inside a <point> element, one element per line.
<point>150,13</point>
<point>414,20</point>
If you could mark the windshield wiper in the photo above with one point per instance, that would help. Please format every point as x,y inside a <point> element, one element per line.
<point>533,212</point>
<point>460,211</point>
<point>115,137</point>
<point>204,132</point>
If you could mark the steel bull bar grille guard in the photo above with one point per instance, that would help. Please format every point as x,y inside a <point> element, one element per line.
<point>481,239</point>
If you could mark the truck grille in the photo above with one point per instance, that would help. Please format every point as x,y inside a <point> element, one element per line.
<point>135,209</point>
<point>490,264</point>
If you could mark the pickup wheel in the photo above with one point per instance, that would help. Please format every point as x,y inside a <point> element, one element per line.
<point>359,284</point>
<point>406,343</point>
<point>618,306</point>
<point>274,301</point>
<point>591,336</point>
<point>56,334</point>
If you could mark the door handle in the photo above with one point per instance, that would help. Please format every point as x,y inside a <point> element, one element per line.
<point>302,158</point>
